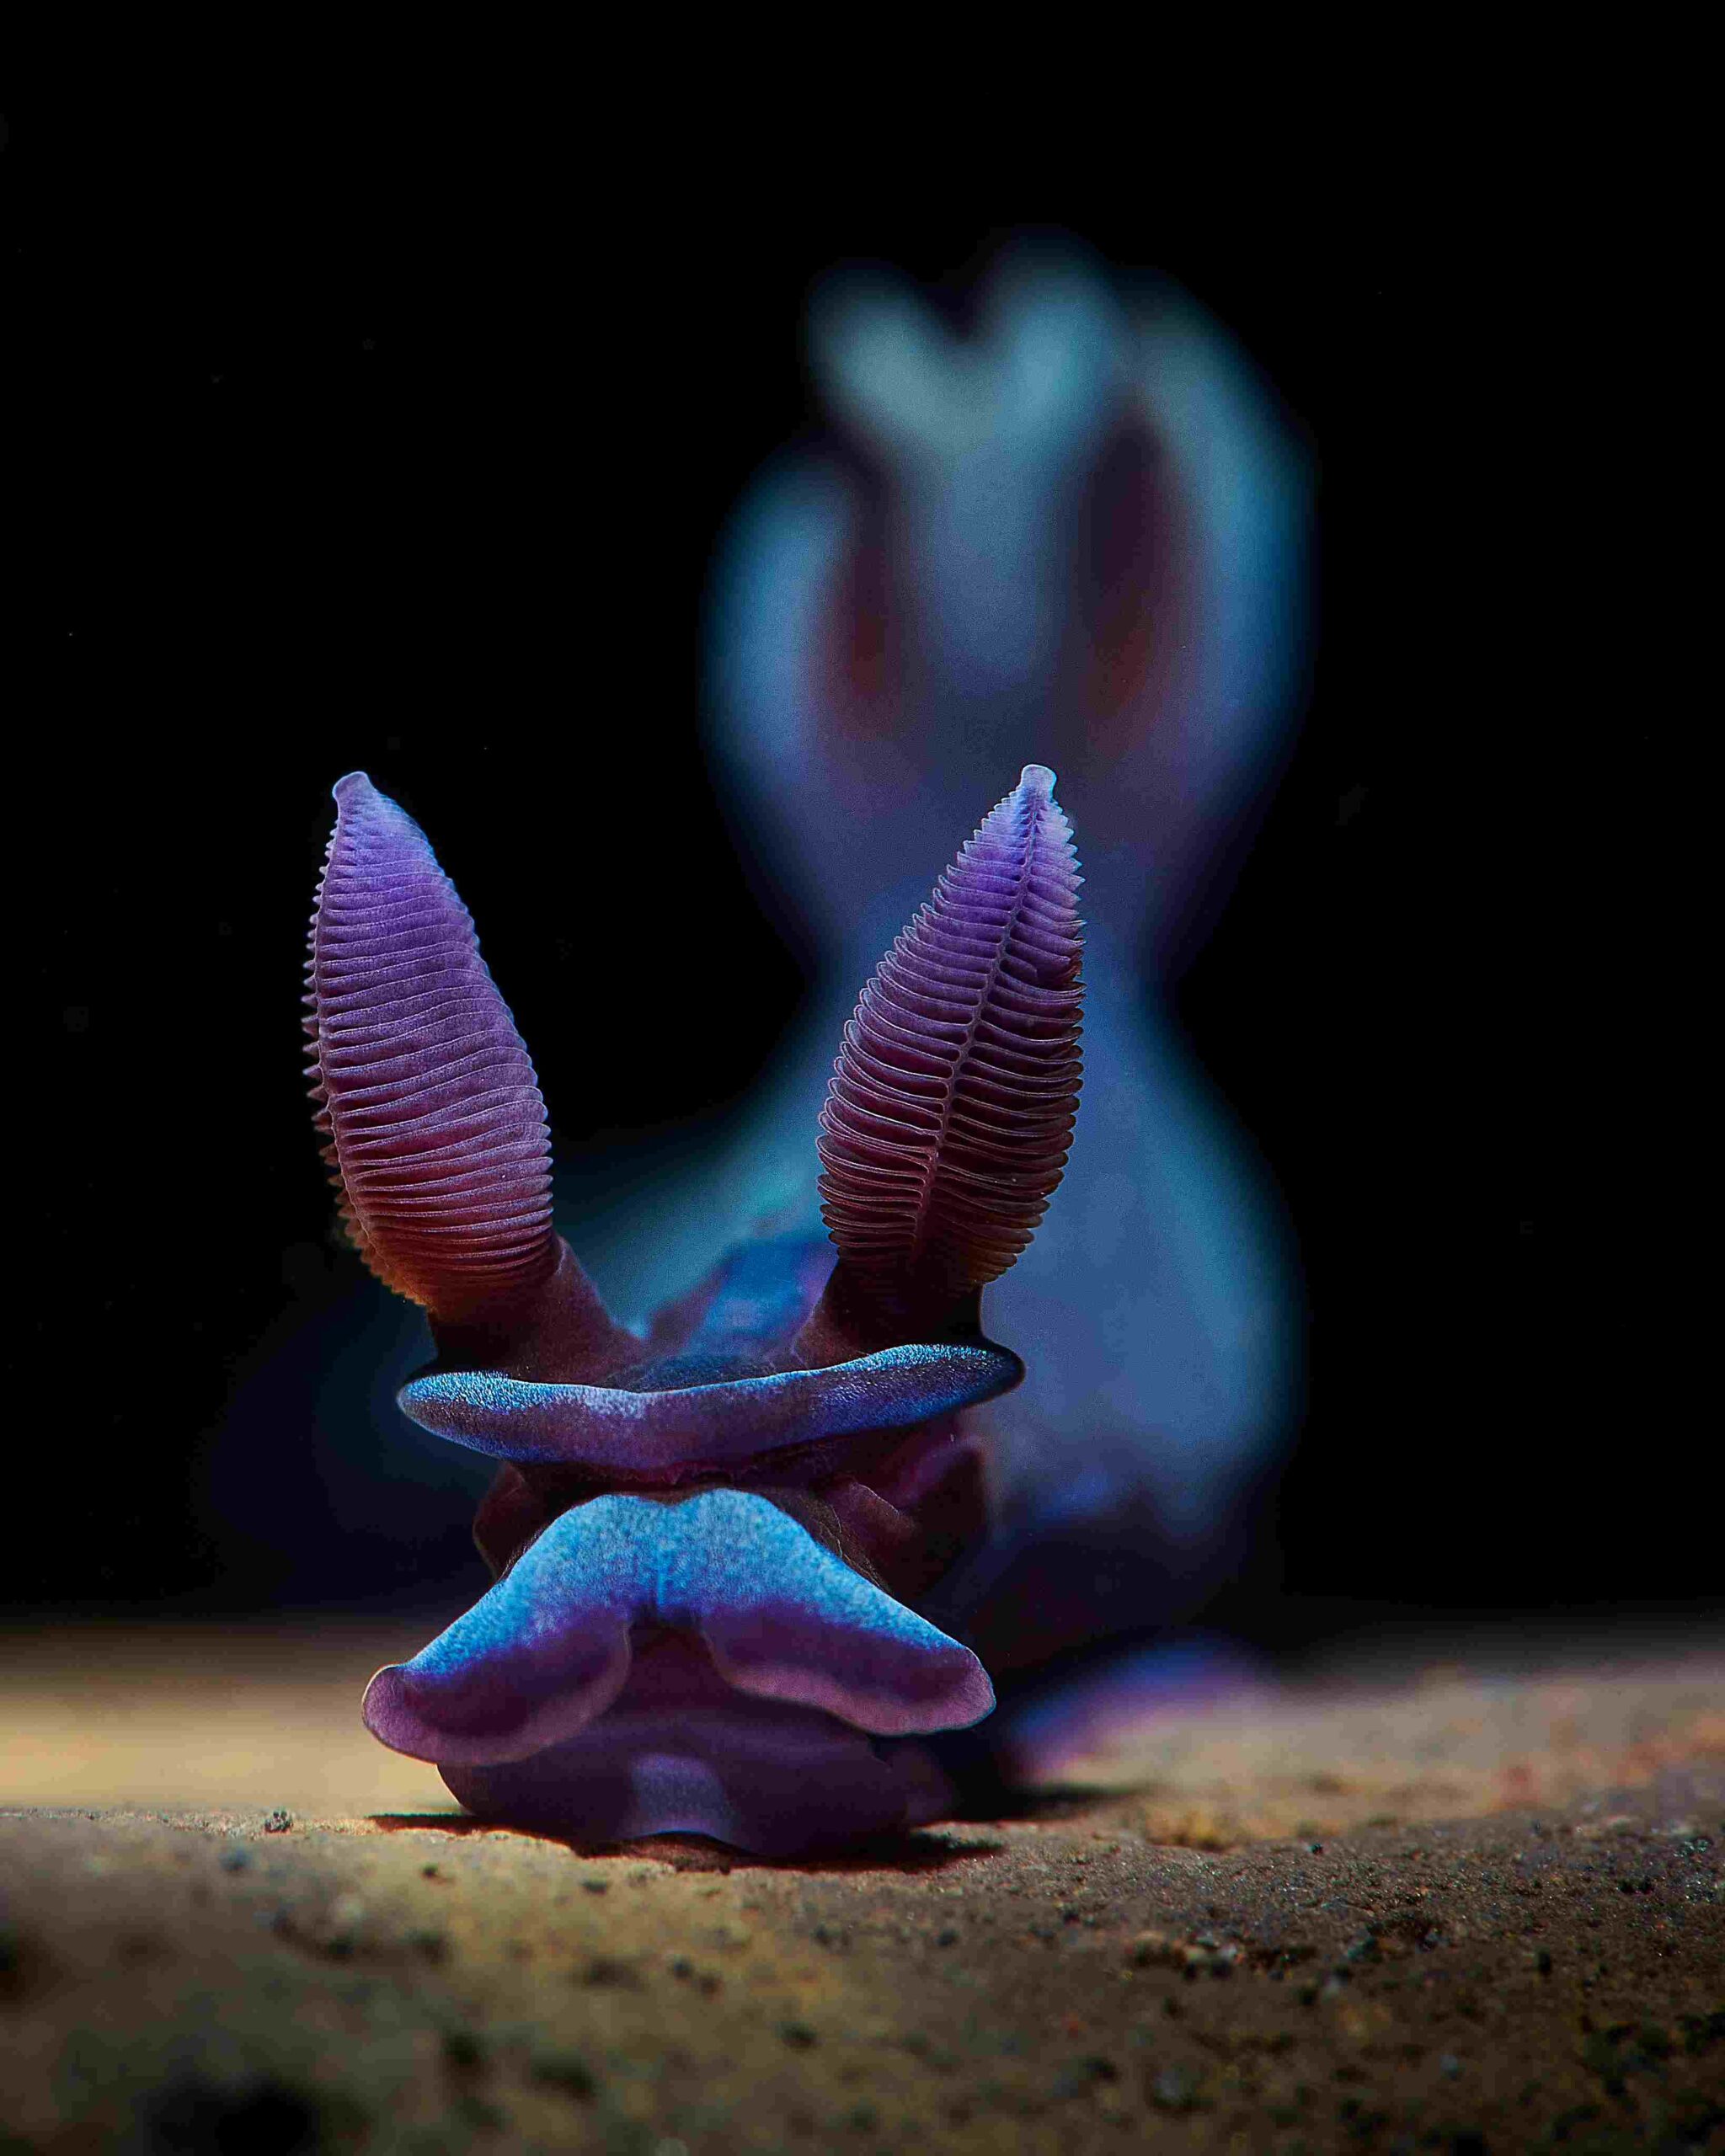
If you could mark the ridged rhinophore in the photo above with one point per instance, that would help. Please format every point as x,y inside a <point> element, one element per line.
<point>949,1117</point>
<point>436,1130</point>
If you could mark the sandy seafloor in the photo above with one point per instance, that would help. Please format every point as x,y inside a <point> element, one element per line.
<point>1478,1905</point>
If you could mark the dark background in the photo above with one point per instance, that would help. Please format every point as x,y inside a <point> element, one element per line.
<point>406,449</point>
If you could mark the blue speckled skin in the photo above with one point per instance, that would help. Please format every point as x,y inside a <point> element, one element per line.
<point>780,1616</point>
<point>685,1417</point>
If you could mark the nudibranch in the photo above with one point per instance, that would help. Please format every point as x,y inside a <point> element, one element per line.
<point>709,1542</point>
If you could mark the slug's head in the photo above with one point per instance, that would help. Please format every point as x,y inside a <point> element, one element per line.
<point>703,1537</point>
<point>944,1131</point>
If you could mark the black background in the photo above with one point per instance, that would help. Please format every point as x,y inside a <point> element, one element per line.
<point>403,448</point>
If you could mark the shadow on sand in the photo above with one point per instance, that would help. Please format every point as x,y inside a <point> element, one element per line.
<point>917,1852</point>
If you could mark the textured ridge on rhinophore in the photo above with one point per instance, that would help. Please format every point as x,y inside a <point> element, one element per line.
<point>949,1117</point>
<point>436,1131</point>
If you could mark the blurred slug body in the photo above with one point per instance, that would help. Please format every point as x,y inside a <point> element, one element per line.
<point>710,1537</point>
<point>1076,534</point>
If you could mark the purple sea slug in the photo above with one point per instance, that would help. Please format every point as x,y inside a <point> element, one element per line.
<point>713,1544</point>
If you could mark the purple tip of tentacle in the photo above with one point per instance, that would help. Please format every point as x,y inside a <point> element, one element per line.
<point>780,1617</point>
<point>437,1134</point>
<point>951,1107</point>
<point>660,1436</point>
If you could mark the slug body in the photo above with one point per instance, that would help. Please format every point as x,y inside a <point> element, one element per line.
<point>1075,532</point>
<point>716,1540</point>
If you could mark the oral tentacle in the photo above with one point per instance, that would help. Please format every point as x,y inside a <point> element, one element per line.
<point>782,1617</point>
<point>661,1434</point>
